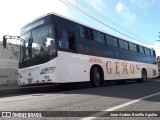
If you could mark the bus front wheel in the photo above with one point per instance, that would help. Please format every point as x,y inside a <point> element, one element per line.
<point>95,77</point>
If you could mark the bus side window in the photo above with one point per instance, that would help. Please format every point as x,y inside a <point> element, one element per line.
<point>123,44</point>
<point>102,37</point>
<point>63,40</point>
<point>141,49</point>
<point>72,43</point>
<point>86,33</point>
<point>80,31</point>
<point>91,34</point>
<point>133,47</point>
<point>147,51</point>
<point>111,41</point>
<point>154,53</point>
<point>151,51</point>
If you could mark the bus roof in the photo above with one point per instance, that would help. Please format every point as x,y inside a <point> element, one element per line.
<point>53,13</point>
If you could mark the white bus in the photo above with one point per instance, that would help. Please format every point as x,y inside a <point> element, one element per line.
<point>60,50</point>
<point>158,63</point>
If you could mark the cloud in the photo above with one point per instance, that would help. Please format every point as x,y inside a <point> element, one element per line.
<point>145,4</point>
<point>97,4</point>
<point>15,14</point>
<point>141,3</point>
<point>122,9</point>
<point>156,2</point>
<point>156,46</point>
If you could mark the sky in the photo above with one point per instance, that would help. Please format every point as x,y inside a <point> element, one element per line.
<point>133,20</point>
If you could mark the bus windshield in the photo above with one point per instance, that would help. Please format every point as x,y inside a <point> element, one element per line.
<point>39,46</point>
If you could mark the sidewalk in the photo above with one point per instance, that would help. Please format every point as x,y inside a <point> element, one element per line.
<point>12,90</point>
<point>8,87</point>
<point>6,90</point>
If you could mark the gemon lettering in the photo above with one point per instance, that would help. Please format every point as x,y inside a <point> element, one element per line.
<point>122,68</point>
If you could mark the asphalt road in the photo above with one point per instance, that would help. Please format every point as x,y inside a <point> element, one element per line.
<point>122,98</point>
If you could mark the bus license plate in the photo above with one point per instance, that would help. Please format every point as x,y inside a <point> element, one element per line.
<point>29,81</point>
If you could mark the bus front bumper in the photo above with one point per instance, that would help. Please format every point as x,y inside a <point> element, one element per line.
<point>43,79</point>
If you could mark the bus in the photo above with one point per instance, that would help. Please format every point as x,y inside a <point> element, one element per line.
<point>158,63</point>
<point>56,49</point>
<point>159,69</point>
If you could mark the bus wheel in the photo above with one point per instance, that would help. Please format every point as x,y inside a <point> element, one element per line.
<point>95,77</point>
<point>144,75</point>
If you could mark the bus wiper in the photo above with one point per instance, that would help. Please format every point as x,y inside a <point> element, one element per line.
<point>24,52</point>
<point>30,41</point>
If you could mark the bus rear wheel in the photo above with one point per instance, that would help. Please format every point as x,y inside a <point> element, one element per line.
<point>144,76</point>
<point>95,77</point>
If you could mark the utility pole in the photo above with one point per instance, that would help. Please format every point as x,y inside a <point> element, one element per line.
<point>159,38</point>
<point>158,58</point>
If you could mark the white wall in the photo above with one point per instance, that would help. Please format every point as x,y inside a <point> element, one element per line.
<point>9,57</point>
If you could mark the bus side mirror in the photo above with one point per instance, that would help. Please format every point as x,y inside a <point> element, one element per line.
<point>4,41</point>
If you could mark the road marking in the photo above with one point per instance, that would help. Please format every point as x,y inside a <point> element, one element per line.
<point>119,106</point>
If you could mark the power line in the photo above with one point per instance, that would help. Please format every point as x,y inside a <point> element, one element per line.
<point>95,19</point>
<point>86,17</point>
<point>106,18</point>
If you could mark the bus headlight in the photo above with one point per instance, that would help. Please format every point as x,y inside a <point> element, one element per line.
<point>47,70</point>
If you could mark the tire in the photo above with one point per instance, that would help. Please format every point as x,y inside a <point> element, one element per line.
<point>95,77</point>
<point>144,76</point>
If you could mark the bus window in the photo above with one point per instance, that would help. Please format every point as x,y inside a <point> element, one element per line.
<point>80,31</point>
<point>95,35</point>
<point>123,44</point>
<point>153,53</point>
<point>91,34</point>
<point>86,32</point>
<point>115,42</point>
<point>146,50</point>
<point>141,49</point>
<point>99,37</point>
<point>133,47</point>
<point>111,41</point>
<point>72,44</point>
<point>63,40</point>
<point>102,37</point>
